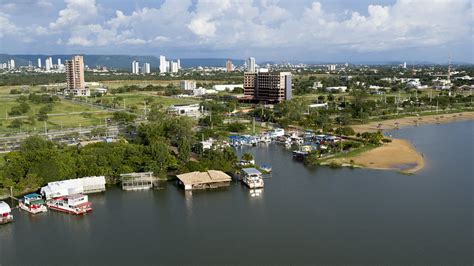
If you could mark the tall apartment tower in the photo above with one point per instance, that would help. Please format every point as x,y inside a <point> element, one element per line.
<point>75,73</point>
<point>251,64</point>
<point>163,64</point>
<point>229,67</point>
<point>135,67</point>
<point>39,62</point>
<point>268,87</point>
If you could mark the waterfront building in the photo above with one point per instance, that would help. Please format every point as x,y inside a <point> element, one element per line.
<point>137,181</point>
<point>268,86</point>
<point>188,85</point>
<point>204,180</point>
<point>229,67</point>
<point>251,65</point>
<point>163,64</point>
<point>63,188</point>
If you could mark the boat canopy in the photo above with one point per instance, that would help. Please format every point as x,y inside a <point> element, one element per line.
<point>251,171</point>
<point>73,186</point>
<point>32,196</point>
<point>4,208</point>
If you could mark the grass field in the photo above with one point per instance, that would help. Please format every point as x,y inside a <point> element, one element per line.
<point>137,99</point>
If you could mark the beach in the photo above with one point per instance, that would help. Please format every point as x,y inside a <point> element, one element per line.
<point>399,155</point>
<point>392,124</point>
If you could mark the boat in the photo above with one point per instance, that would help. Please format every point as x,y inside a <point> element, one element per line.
<point>5,213</point>
<point>251,177</point>
<point>33,203</point>
<point>300,155</point>
<point>73,204</point>
<point>266,168</point>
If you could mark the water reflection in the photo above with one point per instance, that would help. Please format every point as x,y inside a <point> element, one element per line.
<point>256,193</point>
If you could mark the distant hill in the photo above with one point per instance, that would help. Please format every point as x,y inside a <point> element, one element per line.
<point>118,61</point>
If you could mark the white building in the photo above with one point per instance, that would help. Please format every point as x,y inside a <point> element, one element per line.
<point>199,91</point>
<point>39,62</point>
<point>338,88</point>
<point>192,110</point>
<point>331,67</point>
<point>174,67</point>
<point>68,187</point>
<point>86,92</point>
<point>12,64</point>
<point>251,65</point>
<point>59,62</point>
<point>188,85</point>
<point>135,67</point>
<point>48,63</point>
<point>317,85</point>
<point>404,64</point>
<point>227,87</point>
<point>319,105</point>
<point>163,64</point>
<point>146,68</point>
<point>179,64</point>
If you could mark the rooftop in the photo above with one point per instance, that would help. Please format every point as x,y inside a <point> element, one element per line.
<point>251,171</point>
<point>211,176</point>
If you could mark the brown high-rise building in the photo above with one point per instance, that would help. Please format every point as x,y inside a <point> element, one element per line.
<point>75,73</point>
<point>229,67</point>
<point>268,86</point>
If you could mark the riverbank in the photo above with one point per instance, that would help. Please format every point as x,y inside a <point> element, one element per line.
<point>398,155</point>
<point>391,124</point>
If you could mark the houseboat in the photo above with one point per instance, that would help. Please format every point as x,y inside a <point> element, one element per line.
<point>266,168</point>
<point>33,203</point>
<point>73,204</point>
<point>251,177</point>
<point>5,213</point>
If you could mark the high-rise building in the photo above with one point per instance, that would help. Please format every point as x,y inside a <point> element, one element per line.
<point>12,64</point>
<point>146,68</point>
<point>39,62</point>
<point>331,67</point>
<point>268,86</point>
<point>174,67</point>
<point>229,67</point>
<point>48,64</point>
<point>163,64</point>
<point>59,62</point>
<point>75,73</point>
<point>135,67</point>
<point>251,65</point>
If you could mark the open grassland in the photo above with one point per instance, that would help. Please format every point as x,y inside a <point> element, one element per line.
<point>137,99</point>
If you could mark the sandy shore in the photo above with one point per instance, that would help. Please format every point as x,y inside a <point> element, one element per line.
<point>413,121</point>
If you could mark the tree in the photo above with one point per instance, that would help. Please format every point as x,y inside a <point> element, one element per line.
<point>247,157</point>
<point>16,123</point>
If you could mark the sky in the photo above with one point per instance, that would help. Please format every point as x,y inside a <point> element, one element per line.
<point>269,30</point>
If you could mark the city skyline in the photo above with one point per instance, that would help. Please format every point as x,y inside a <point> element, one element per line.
<point>337,31</point>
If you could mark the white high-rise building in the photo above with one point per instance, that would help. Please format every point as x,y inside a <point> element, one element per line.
<point>146,68</point>
<point>163,64</point>
<point>49,63</point>
<point>404,64</point>
<point>179,64</point>
<point>331,67</point>
<point>135,67</point>
<point>188,85</point>
<point>12,64</point>
<point>251,65</point>
<point>59,62</point>
<point>39,62</point>
<point>174,67</point>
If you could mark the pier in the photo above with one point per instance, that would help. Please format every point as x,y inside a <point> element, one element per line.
<point>137,181</point>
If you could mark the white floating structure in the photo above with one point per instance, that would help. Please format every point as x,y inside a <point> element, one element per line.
<point>68,187</point>
<point>5,213</point>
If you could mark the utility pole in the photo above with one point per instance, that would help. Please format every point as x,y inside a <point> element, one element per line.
<point>45,129</point>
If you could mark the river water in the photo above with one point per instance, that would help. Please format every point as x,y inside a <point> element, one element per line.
<point>303,216</point>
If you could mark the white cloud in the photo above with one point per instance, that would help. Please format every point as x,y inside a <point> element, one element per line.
<point>76,12</point>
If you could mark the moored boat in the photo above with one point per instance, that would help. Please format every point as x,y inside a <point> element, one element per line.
<point>5,213</point>
<point>266,168</point>
<point>73,204</point>
<point>33,203</point>
<point>251,177</point>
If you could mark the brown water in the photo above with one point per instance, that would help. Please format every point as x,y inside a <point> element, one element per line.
<point>303,216</point>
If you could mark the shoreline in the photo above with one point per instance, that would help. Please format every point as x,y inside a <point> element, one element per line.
<point>399,155</point>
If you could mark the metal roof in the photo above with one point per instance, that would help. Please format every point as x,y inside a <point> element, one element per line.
<point>251,171</point>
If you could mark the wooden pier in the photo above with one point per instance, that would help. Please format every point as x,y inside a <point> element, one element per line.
<point>137,181</point>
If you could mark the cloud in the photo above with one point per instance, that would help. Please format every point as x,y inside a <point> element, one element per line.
<point>244,26</point>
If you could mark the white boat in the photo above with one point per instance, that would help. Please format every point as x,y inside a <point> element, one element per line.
<point>33,203</point>
<point>73,204</point>
<point>5,213</point>
<point>252,177</point>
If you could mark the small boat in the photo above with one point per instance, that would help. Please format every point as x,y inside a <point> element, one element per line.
<point>73,204</point>
<point>33,203</point>
<point>266,168</point>
<point>5,213</point>
<point>252,177</point>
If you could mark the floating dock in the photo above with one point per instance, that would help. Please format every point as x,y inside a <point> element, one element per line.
<point>137,181</point>
<point>204,180</point>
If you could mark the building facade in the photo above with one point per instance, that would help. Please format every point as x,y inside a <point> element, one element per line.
<point>135,67</point>
<point>163,64</point>
<point>268,86</point>
<point>229,67</point>
<point>75,73</point>
<point>251,65</point>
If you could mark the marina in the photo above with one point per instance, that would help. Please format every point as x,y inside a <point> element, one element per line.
<point>5,213</point>
<point>73,204</point>
<point>33,203</point>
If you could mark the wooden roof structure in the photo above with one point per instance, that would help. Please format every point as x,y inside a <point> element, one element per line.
<point>198,178</point>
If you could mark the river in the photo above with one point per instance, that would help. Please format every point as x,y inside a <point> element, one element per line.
<point>303,216</point>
